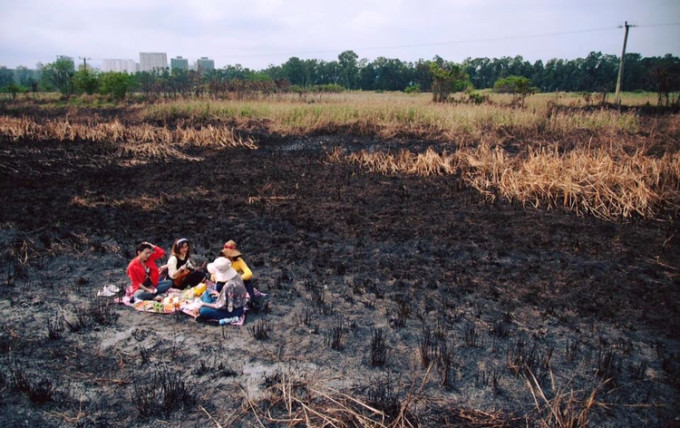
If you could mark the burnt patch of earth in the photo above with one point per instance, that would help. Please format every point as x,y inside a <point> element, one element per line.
<point>373,279</point>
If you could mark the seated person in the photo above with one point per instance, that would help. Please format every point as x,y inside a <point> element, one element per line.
<point>181,270</point>
<point>230,298</point>
<point>234,255</point>
<point>144,273</point>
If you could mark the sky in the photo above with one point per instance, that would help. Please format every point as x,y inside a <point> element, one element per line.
<point>259,33</point>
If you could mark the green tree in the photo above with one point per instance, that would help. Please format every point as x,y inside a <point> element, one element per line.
<point>295,71</point>
<point>60,75</point>
<point>116,84</point>
<point>13,89</point>
<point>666,78</point>
<point>520,86</point>
<point>6,76</point>
<point>422,75</point>
<point>145,81</point>
<point>23,76</point>
<point>390,74</point>
<point>447,79</point>
<point>366,75</point>
<point>349,76</point>
<point>85,81</point>
<point>537,74</point>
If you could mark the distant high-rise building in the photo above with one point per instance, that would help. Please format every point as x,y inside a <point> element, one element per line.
<point>179,63</point>
<point>205,65</point>
<point>119,65</point>
<point>149,61</point>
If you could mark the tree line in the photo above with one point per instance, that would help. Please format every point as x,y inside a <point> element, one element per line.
<point>595,73</point>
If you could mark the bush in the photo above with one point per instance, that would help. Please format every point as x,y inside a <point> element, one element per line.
<point>412,89</point>
<point>115,84</point>
<point>446,80</point>
<point>512,85</point>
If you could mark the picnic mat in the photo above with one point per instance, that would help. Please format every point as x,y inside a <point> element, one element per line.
<point>187,301</point>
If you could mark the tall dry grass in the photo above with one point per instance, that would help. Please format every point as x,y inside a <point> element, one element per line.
<point>395,114</point>
<point>137,140</point>
<point>587,182</point>
<point>610,164</point>
<point>563,408</point>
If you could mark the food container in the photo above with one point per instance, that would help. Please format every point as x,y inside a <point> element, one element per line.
<point>199,289</point>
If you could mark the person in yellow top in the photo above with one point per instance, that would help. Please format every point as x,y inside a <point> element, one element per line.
<point>231,252</point>
<point>235,257</point>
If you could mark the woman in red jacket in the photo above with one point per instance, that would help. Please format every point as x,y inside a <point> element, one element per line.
<point>144,274</point>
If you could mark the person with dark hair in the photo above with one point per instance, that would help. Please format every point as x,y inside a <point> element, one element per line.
<point>144,274</point>
<point>181,270</point>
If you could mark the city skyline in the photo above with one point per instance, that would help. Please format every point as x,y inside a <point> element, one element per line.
<point>148,61</point>
<point>262,33</point>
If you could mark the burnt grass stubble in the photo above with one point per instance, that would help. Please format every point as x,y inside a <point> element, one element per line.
<point>374,281</point>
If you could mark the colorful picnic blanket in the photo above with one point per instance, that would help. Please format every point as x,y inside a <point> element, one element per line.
<point>186,301</point>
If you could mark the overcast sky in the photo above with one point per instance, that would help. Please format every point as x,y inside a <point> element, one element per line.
<point>257,33</point>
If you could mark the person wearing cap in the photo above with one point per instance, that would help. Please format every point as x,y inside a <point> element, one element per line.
<point>144,274</point>
<point>180,267</point>
<point>229,299</point>
<point>230,251</point>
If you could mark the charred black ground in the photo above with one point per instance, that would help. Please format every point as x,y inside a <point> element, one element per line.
<point>342,252</point>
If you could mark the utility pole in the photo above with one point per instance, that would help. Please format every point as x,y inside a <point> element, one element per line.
<point>85,61</point>
<point>623,54</point>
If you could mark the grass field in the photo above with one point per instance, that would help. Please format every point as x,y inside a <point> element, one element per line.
<point>558,151</point>
<point>427,264</point>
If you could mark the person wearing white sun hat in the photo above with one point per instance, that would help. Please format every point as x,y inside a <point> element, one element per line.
<point>230,297</point>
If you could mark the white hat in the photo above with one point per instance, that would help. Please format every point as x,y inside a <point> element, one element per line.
<point>222,269</point>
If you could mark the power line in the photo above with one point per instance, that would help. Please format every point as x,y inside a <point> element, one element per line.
<point>671,24</point>
<point>443,43</point>
<point>451,42</point>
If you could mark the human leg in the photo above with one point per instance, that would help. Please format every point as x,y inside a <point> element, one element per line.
<point>257,300</point>
<point>249,288</point>
<point>164,286</point>
<point>206,297</point>
<point>195,278</point>
<point>144,295</point>
<point>218,314</point>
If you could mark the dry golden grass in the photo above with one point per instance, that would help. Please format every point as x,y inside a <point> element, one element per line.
<point>593,182</point>
<point>292,401</point>
<point>423,164</point>
<point>564,409</point>
<point>389,115</point>
<point>600,162</point>
<point>144,140</point>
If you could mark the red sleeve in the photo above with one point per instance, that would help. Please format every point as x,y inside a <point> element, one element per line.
<point>136,274</point>
<point>158,252</point>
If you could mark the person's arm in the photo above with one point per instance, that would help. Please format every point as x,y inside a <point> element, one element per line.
<point>136,276</point>
<point>172,267</point>
<point>190,264</point>
<point>220,302</point>
<point>242,268</point>
<point>158,252</point>
<point>147,289</point>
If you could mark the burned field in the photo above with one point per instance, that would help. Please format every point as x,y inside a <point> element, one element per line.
<point>396,299</point>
